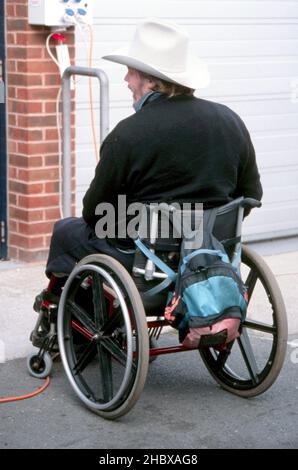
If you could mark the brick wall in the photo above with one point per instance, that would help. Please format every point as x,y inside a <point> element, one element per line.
<point>33,83</point>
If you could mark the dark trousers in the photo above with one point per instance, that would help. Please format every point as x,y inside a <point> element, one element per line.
<point>72,240</point>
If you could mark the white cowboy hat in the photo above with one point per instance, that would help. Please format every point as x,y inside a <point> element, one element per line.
<point>161,49</point>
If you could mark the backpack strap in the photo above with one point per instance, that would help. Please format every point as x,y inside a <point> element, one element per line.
<point>156,260</point>
<point>157,289</point>
<point>231,241</point>
<point>223,256</point>
<point>198,235</point>
<point>161,265</point>
<point>209,219</point>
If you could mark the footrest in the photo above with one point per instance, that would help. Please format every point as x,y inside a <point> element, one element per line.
<point>44,296</point>
<point>217,339</point>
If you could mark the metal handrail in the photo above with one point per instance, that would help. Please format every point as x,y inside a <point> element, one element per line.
<point>66,124</point>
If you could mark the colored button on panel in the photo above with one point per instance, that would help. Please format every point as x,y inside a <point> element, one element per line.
<point>82,12</point>
<point>69,12</point>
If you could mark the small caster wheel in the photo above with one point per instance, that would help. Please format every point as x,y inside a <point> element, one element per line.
<point>38,367</point>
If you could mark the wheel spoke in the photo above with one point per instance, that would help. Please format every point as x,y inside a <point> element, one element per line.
<point>112,323</point>
<point>259,326</point>
<point>85,358</point>
<point>105,364</point>
<point>89,393</point>
<point>99,303</point>
<point>222,357</point>
<point>248,356</point>
<point>251,282</point>
<point>81,315</point>
<point>116,351</point>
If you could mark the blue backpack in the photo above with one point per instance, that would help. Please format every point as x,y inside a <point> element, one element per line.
<point>209,302</point>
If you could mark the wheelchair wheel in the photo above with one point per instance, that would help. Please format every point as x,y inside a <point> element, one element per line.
<point>103,338</point>
<point>252,363</point>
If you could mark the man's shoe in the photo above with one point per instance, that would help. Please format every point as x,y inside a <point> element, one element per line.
<point>44,296</point>
<point>38,302</point>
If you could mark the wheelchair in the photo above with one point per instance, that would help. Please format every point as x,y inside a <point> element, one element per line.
<point>108,328</point>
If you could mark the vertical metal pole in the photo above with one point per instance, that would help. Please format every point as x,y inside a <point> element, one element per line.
<point>66,147</point>
<point>66,124</point>
<point>104,105</point>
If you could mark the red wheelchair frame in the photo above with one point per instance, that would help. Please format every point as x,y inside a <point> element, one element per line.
<point>107,367</point>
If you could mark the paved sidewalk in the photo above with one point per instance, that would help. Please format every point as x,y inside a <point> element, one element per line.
<point>18,288</point>
<point>181,407</point>
<point>19,284</point>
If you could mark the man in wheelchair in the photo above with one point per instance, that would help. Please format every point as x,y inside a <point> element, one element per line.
<point>175,148</point>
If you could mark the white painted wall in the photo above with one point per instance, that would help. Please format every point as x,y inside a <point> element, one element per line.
<point>251,48</point>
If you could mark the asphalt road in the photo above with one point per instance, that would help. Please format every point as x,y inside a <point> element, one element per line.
<point>181,407</point>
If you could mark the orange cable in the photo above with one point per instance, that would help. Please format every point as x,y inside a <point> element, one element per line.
<point>30,395</point>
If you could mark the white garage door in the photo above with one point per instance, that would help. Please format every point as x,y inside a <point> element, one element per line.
<point>252,51</point>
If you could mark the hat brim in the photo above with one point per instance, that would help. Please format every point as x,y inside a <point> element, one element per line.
<point>194,76</point>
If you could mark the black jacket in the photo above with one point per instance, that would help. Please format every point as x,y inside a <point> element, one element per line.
<point>176,149</point>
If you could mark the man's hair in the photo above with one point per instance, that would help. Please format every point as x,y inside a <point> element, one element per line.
<point>169,88</point>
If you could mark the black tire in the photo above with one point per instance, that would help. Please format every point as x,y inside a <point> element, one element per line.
<point>107,371</point>
<point>253,362</point>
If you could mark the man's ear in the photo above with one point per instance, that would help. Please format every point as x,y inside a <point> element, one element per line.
<point>151,83</point>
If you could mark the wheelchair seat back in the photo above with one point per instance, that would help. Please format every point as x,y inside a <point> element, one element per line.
<point>227,229</point>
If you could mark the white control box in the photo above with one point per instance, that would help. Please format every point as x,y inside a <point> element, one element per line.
<point>60,12</point>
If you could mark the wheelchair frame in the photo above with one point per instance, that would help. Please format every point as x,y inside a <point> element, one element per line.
<point>118,337</point>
